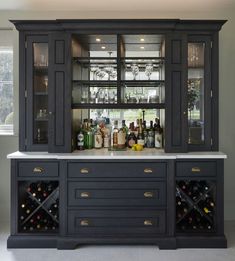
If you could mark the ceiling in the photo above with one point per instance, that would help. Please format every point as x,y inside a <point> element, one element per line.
<point>117,5</point>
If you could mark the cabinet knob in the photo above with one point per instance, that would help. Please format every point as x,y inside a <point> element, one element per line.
<point>196,169</point>
<point>84,171</point>
<point>38,170</point>
<point>50,112</point>
<point>84,222</point>
<point>148,222</point>
<point>148,194</point>
<point>184,112</point>
<point>85,194</point>
<point>148,170</point>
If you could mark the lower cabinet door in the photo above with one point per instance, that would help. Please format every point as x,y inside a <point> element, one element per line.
<point>119,222</point>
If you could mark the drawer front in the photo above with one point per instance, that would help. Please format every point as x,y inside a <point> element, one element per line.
<point>116,169</point>
<point>117,193</point>
<point>38,169</point>
<point>116,222</point>
<point>196,168</point>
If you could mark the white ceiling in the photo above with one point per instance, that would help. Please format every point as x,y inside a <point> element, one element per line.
<point>117,5</point>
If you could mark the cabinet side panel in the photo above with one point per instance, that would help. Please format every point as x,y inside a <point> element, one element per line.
<point>176,96</point>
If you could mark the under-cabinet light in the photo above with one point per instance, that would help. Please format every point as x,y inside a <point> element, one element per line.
<point>142,39</point>
<point>141,47</point>
<point>103,47</point>
<point>98,39</point>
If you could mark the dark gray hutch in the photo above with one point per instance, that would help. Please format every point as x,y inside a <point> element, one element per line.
<point>173,197</point>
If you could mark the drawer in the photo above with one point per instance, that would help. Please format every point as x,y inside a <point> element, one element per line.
<point>113,193</point>
<point>116,169</point>
<point>196,168</point>
<point>38,169</point>
<point>116,222</point>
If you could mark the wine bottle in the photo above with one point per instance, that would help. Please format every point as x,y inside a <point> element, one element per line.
<point>98,139</point>
<point>115,134</point>
<point>150,136</point>
<point>140,137</point>
<point>131,137</point>
<point>158,135</point>
<point>80,139</point>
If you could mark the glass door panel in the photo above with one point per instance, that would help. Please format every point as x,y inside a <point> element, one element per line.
<point>40,93</point>
<point>196,90</point>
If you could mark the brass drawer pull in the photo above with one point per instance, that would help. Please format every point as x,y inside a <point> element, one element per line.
<point>196,169</point>
<point>84,171</point>
<point>148,223</point>
<point>85,194</point>
<point>38,170</point>
<point>148,170</point>
<point>84,222</point>
<point>148,194</point>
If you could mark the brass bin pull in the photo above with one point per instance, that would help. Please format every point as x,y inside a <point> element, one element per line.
<point>148,170</point>
<point>196,169</point>
<point>84,171</point>
<point>85,194</point>
<point>148,194</point>
<point>84,222</point>
<point>148,223</point>
<point>38,170</point>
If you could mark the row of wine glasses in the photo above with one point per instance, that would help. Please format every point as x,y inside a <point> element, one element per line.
<point>148,70</point>
<point>100,72</point>
<point>99,96</point>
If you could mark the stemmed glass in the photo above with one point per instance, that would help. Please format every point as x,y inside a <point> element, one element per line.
<point>134,70</point>
<point>94,70</point>
<point>148,70</point>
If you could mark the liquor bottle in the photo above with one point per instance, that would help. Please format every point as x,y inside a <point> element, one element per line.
<point>121,138</point>
<point>145,133</point>
<point>39,137</point>
<point>98,139</point>
<point>115,134</point>
<point>80,139</point>
<point>158,135</point>
<point>140,137</point>
<point>136,128</point>
<point>125,129</point>
<point>131,140</point>
<point>150,136</point>
<point>88,136</point>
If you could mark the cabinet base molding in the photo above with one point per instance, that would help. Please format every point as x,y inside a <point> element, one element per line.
<point>71,243</point>
<point>201,242</point>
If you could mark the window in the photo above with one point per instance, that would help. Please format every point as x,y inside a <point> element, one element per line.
<point>6,82</point>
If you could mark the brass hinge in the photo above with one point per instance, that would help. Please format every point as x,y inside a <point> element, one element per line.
<point>25,94</point>
<point>211,142</point>
<point>25,45</point>
<point>211,44</point>
<point>25,142</point>
<point>211,93</point>
<point>72,142</point>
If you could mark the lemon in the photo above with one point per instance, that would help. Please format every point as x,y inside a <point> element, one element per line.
<point>139,147</point>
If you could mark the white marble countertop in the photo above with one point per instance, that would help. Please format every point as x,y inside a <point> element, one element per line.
<point>129,154</point>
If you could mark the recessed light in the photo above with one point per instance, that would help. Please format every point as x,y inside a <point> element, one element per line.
<point>98,39</point>
<point>142,39</point>
<point>141,47</point>
<point>103,47</point>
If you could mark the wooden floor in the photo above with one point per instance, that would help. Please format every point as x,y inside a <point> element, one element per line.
<point>119,253</point>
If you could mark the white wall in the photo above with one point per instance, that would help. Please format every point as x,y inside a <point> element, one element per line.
<point>226,81</point>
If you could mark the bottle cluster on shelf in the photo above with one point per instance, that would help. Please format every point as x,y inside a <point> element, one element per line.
<point>105,135</point>
<point>195,206</point>
<point>39,206</point>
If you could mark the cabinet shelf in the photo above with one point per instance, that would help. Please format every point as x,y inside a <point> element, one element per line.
<point>118,106</point>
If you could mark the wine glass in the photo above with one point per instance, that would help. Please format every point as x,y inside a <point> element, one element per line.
<point>100,73</point>
<point>93,70</point>
<point>134,70</point>
<point>148,70</point>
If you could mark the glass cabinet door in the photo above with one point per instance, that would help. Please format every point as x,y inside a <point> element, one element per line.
<point>37,92</point>
<point>199,88</point>
<point>40,91</point>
